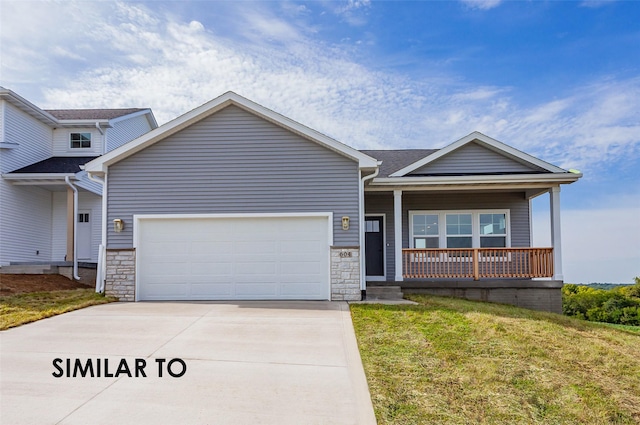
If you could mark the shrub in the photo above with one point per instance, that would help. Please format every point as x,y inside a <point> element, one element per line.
<point>618,305</point>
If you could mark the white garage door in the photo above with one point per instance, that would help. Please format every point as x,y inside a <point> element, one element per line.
<point>238,258</point>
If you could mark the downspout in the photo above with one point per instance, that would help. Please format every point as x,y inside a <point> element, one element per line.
<point>101,269</point>
<point>75,227</point>
<point>363,276</point>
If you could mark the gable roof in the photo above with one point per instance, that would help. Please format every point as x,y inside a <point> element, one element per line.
<point>483,140</point>
<point>74,117</point>
<point>101,164</point>
<point>92,114</point>
<point>394,160</point>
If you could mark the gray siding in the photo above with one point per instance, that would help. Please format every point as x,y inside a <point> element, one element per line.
<point>474,158</point>
<point>233,162</point>
<point>126,130</point>
<point>515,202</point>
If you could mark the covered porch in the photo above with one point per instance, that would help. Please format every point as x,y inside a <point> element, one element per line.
<point>473,234</point>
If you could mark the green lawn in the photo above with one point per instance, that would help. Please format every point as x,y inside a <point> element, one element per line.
<point>16,310</point>
<point>454,361</point>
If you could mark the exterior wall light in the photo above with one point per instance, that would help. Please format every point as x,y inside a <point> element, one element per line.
<point>118,225</point>
<point>345,223</point>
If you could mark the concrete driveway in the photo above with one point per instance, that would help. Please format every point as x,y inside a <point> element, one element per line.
<point>246,363</point>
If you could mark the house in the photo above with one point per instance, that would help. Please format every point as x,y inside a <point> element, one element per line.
<point>50,211</point>
<point>233,201</point>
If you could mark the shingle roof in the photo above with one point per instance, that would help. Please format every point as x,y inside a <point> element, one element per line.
<point>394,160</point>
<point>57,164</point>
<point>91,114</point>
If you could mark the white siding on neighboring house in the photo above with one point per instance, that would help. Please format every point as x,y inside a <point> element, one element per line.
<point>25,237</point>
<point>33,137</point>
<point>62,145</point>
<point>126,130</point>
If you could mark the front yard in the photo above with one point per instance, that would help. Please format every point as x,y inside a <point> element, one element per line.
<point>53,295</point>
<point>460,362</point>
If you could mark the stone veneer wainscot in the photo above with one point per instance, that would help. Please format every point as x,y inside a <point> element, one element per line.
<point>345,273</point>
<point>120,280</point>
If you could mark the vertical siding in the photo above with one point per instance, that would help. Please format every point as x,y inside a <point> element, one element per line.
<point>126,130</point>
<point>233,162</point>
<point>474,158</point>
<point>515,202</point>
<point>62,145</point>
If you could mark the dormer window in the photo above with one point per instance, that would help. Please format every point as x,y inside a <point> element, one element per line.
<point>80,140</point>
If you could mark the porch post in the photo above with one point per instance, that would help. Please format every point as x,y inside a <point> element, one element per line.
<point>397,232</point>
<point>70,224</point>
<point>556,238</point>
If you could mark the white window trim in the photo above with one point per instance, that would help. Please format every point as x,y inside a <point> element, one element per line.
<point>475,224</point>
<point>81,147</point>
<point>384,248</point>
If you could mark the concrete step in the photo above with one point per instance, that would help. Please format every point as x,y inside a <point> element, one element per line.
<point>29,269</point>
<point>384,293</point>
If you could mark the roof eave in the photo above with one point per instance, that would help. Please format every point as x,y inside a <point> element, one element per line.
<point>551,178</point>
<point>101,164</point>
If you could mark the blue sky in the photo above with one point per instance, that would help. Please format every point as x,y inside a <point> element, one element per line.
<point>559,80</point>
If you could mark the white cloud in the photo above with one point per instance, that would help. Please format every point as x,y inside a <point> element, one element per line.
<point>481,4</point>
<point>134,56</point>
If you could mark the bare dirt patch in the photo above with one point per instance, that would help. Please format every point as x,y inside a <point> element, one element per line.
<point>11,284</point>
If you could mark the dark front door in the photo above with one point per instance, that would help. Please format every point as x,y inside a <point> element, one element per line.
<point>374,245</point>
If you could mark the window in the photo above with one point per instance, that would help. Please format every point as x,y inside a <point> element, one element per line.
<point>83,218</point>
<point>80,140</point>
<point>459,229</point>
<point>425,231</point>
<point>493,230</point>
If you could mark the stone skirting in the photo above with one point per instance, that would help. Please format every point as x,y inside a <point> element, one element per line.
<point>345,273</point>
<point>120,279</point>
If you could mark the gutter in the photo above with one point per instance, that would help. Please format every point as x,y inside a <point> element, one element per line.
<point>363,273</point>
<point>75,227</point>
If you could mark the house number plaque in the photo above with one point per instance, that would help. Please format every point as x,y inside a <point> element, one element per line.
<point>345,254</point>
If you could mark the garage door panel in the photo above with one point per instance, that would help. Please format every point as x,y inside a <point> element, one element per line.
<point>233,258</point>
<point>166,290</point>
<point>256,289</point>
<point>208,269</point>
<point>208,289</point>
<point>212,247</point>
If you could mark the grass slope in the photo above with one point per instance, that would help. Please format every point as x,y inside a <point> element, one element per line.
<point>19,309</point>
<point>461,362</point>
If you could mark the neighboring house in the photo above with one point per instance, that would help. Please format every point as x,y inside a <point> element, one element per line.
<point>233,201</point>
<point>41,184</point>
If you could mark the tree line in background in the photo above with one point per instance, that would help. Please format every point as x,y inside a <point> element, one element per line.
<point>619,305</point>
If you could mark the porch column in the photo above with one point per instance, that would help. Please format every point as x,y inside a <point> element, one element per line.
<point>70,224</point>
<point>556,238</point>
<point>397,232</point>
